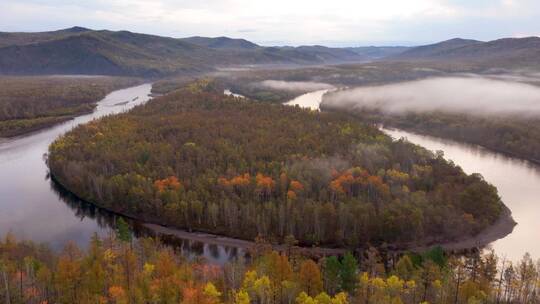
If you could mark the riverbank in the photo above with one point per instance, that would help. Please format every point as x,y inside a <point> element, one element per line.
<point>500,229</point>
<point>21,127</point>
<point>29,206</point>
<point>33,103</point>
<point>162,212</point>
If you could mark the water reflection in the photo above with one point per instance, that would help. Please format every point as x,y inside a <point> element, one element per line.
<point>517,181</point>
<point>34,207</point>
<point>106,221</point>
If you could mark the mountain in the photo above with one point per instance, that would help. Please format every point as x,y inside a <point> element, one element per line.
<point>506,52</point>
<point>378,52</point>
<point>221,42</point>
<point>437,49</point>
<point>79,50</point>
<point>7,39</point>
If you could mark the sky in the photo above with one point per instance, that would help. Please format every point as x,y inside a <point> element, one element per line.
<point>286,22</point>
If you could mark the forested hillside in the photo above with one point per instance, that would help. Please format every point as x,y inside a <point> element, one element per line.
<point>31,103</point>
<point>102,52</point>
<point>506,52</point>
<point>199,160</point>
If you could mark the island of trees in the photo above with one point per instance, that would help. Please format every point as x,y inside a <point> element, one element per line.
<point>199,160</point>
<point>31,103</point>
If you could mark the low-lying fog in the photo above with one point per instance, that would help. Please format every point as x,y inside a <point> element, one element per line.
<point>469,95</point>
<point>295,86</point>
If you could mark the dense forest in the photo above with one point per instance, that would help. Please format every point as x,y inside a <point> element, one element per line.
<point>120,270</point>
<point>31,103</point>
<point>514,136</point>
<point>197,159</point>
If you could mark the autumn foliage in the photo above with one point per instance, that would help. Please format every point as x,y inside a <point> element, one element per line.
<point>117,272</point>
<point>198,160</point>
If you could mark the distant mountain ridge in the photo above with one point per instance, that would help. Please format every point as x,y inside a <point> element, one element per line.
<point>79,50</point>
<point>513,52</point>
<point>221,42</point>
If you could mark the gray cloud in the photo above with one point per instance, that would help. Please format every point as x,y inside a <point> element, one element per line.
<point>341,22</point>
<point>468,95</point>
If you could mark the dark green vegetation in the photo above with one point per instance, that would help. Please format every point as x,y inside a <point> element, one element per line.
<point>118,270</point>
<point>199,160</point>
<point>83,51</point>
<point>31,103</point>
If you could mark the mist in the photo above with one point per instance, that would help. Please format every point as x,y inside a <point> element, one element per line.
<point>468,95</point>
<point>295,86</point>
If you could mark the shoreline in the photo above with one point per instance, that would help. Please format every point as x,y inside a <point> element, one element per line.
<point>503,152</point>
<point>500,229</point>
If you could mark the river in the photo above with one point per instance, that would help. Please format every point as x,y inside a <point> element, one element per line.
<point>30,204</point>
<point>517,181</point>
<point>35,208</point>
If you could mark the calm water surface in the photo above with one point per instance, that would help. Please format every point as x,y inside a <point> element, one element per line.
<point>35,208</point>
<point>309,100</point>
<point>517,181</point>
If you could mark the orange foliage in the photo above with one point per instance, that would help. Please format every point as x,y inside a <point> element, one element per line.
<point>291,195</point>
<point>207,272</point>
<point>117,292</point>
<point>241,180</point>
<point>191,295</point>
<point>264,182</point>
<point>238,182</point>
<point>169,183</point>
<point>296,186</point>
<point>195,294</point>
<point>357,178</point>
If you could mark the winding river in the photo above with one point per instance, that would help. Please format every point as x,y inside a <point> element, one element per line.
<point>35,208</point>
<point>517,181</point>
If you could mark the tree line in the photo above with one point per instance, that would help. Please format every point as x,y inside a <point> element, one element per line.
<point>118,269</point>
<point>512,135</point>
<point>30,103</point>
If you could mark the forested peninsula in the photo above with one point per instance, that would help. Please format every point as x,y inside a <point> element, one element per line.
<point>198,160</point>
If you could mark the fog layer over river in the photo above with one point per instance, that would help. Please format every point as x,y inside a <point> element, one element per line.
<point>517,181</point>
<point>34,208</point>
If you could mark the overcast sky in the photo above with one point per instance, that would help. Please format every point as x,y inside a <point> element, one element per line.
<point>292,22</point>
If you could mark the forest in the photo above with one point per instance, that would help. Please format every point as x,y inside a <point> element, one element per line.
<point>513,136</point>
<point>35,102</point>
<point>198,160</point>
<point>118,269</point>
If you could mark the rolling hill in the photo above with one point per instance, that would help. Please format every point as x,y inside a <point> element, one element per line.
<point>79,50</point>
<point>506,52</point>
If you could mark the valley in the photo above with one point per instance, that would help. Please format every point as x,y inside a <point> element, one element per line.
<point>157,167</point>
